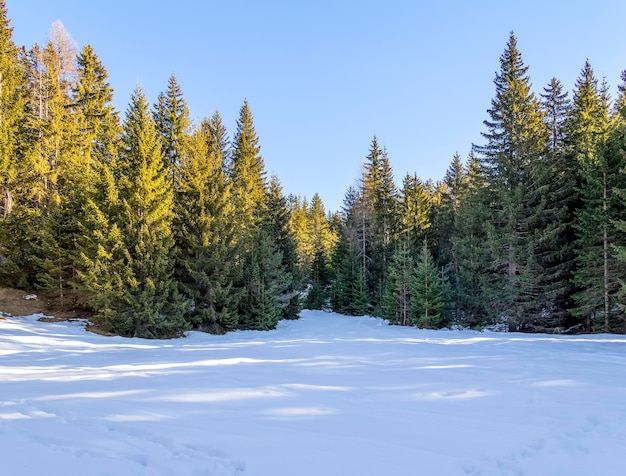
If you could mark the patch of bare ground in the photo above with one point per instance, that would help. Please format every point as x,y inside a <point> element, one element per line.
<point>15,302</point>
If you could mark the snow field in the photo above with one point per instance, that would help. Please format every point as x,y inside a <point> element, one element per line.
<point>324,395</point>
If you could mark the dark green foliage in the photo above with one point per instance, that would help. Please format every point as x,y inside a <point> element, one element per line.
<point>597,273</point>
<point>516,138</point>
<point>399,286</point>
<point>171,116</point>
<point>555,176</point>
<point>163,225</point>
<point>415,211</point>
<point>428,293</point>
<point>143,301</point>
<point>265,282</point>
<point>12,102</point>
<point>205,232</point>
<point>276,222</point>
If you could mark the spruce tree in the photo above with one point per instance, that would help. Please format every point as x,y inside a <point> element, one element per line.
<point>277,223</point>
<point>205,232</point>
<point>247,173</point>
<point>474,300</point>
<point>18,218</point>
<point>348,288</point>
<point>414,211</point>
<point>516,137</point>
<point>555,176</point>
<point>428,293</point>
<point>265,281</point>
<point>452,192</point>
<point>171,116</point>
<point>398,289</point>
<point>56,173</point>
<point>378,212</point>
<point>617,149</point>
<point>12,99</point>
<point>147,303</point>
<point>597,273</point>
<point>321,240</point>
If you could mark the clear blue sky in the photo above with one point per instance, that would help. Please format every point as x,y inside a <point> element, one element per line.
<point>324,76</point>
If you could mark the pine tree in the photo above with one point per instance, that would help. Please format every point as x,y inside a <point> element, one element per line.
<point>299,227</point>
<point>320,239</point>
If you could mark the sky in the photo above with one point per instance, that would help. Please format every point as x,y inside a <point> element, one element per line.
<point>324,395</point>
<point>324,77</point>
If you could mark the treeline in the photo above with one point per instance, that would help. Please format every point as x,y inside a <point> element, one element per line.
<point>160,225</point>
<point>529,233</point>
<point>156,224</point>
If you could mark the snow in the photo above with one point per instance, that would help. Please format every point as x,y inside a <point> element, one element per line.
<point>325,395</point>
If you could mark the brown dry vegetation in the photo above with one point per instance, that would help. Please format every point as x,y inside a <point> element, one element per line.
<point>13,302</point>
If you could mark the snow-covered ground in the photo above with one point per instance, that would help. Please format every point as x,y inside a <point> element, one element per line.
<point>326,395</point>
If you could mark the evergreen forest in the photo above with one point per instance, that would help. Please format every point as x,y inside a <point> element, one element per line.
<point>156,224</point>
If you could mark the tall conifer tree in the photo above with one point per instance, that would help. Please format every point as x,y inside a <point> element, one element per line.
<point>247,173</point>
<point>428,293</point>
<point>171,116</point>
<point>147,304</point>
<point>12,97</point>
<point>555,177</point>
<point>597,273</point>
<point>515,137</point>
<point>205,231</point>
<point>15,212</point>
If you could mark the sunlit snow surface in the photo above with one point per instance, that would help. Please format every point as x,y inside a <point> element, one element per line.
<point>322,396</point>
